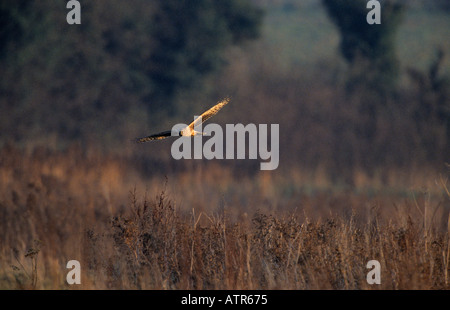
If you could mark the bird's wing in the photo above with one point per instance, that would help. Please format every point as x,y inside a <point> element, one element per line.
<point>158,136</point>
<point>209,113</point>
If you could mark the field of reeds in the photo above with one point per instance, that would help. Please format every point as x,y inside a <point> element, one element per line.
<point>205,226</point>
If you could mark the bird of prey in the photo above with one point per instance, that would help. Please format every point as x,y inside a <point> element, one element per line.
<point>188,130</point>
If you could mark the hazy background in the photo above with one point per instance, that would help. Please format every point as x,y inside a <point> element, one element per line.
<point>345,95</point>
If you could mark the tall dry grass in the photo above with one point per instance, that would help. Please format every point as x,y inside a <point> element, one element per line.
<point>209,227</point>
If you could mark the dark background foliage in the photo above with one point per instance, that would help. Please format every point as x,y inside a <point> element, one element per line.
<point>139,66</point>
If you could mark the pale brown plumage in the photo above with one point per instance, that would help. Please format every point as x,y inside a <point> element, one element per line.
<point>189,130</point>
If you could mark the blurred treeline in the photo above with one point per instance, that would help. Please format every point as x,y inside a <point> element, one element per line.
<point>125,61</point>
<point>135,67</point>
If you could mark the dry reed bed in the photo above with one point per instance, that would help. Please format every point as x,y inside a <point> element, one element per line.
<point>63,206</point>
<point>157,247</point>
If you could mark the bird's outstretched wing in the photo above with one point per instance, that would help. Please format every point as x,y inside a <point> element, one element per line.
<point>158,136</point>
<point>209,113</point>
<point>202,118</point>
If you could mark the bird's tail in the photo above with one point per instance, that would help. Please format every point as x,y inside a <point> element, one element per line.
<point>201,133</point>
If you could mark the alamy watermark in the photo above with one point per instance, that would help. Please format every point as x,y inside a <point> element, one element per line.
<point>74,15</point>
<point>232,144</point>
<point>374,15</point>
<point>74,275</point>
<point>374,275</point>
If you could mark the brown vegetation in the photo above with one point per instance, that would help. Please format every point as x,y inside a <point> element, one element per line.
<point>295,231</point>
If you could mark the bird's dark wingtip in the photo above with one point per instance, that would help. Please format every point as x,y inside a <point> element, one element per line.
<point>136,140</point>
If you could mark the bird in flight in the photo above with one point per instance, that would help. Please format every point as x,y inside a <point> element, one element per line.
<point>188,130</point>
